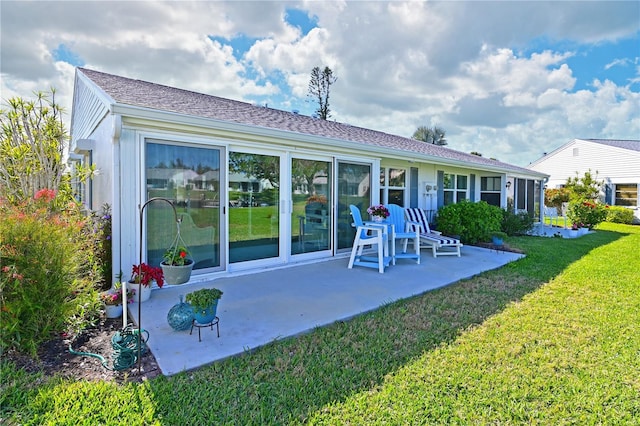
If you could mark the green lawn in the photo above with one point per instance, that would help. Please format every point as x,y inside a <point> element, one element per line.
<point>553,338</point>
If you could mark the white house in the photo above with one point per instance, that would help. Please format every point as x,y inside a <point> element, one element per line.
<point>617,163</point>
<point>242,175</point>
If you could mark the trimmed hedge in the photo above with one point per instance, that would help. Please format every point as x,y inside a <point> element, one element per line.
<point>472,222</point>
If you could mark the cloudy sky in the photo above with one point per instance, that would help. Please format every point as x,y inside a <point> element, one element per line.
<point>508,79</point>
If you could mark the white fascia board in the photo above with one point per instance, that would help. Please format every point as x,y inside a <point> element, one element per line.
<point>372,150</point>
<point>554,152</point>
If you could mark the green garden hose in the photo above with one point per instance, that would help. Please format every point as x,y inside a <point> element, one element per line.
<point>125,349</point>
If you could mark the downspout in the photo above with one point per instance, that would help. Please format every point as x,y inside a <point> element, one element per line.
<point>116,213</point>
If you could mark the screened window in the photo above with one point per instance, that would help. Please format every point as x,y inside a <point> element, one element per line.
<point>627,194</point>
<point>455,188</point>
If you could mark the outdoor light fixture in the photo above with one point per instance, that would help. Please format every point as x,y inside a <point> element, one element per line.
<point>508,184</point>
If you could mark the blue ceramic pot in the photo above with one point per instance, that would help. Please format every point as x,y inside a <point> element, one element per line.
<point>205,316</point>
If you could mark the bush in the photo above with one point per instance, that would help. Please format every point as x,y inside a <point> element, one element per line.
<point>47,274</point>
<point>516,223</point>
<point>587,213</point>
<point>472,222</point>
<point>618,214</point>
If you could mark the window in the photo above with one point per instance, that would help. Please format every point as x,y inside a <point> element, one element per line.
<point>627,194</point>
<point>392,186</point>
<point>490,190</point>
<point>454,188</point>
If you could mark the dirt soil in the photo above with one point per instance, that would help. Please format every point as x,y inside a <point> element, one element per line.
<point>55,358</point>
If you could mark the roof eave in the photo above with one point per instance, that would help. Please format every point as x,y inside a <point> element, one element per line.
<point>241,128</point>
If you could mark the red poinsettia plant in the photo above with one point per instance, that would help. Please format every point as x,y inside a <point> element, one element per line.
<point>144,274</point>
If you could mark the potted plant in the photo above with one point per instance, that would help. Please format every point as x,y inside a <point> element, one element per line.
<point>176,265</point>
<point>141,278</point>
<point>112,300</point>
<point>497,238</point>
<point>204,303</point>
<point>378,212</point>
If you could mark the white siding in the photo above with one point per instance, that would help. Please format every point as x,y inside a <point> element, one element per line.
<point>88,111</point>
<point>614,165</point>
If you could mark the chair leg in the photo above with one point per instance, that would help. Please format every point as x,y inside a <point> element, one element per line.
<point>381,244</point>
<point>354,250</point>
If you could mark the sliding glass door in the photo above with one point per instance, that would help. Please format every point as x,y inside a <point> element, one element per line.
<point>311,224</point>
<point>354,187</point>
<point>254,213</point>
<point>189,177</point>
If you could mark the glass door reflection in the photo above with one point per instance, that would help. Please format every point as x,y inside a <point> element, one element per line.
<point>254,214</point>
<point>311,199</point>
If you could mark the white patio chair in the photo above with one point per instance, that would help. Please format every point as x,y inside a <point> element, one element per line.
<point>440,245</point>
<point>368,235</point>
<point>552,213</point>
<point>403,232</point>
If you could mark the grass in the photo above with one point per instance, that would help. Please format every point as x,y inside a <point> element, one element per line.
<point>550,339</point>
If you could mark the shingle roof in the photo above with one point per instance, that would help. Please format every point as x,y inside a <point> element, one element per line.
<point>633,145</point>
<point>144,94</point>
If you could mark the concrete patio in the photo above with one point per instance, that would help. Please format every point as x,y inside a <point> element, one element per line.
<point>261,307</point>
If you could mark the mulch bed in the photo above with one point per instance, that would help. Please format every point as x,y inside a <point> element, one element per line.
<point>504,247</point>
<point>54,357</point>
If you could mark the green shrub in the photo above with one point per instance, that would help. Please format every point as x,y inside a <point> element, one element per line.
<point>587,213</point>
<point>618,214</point>
<point>472,222</point>
<point>516,223</point>
<point>47,273</point>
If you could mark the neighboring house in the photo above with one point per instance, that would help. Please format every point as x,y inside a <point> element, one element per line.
<point>206,154</point>
<point>616,162</point>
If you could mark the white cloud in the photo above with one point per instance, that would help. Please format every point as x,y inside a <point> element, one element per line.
<point>494,75</point>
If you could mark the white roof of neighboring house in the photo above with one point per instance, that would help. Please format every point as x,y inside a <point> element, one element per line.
<point>142,95</point>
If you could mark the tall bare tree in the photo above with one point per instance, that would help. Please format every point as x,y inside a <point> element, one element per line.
<point>319,87</point>
<point>433,135</point>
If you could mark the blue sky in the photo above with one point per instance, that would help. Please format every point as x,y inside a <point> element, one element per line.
<point>510,80</point>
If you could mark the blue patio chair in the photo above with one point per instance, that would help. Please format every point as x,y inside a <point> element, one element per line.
<point>439,244</point>
<point>368,235</point>
<point>403,232</point>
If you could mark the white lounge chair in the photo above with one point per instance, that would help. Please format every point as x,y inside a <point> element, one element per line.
<point>440,245</point>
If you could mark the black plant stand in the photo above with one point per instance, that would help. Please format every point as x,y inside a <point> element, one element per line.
<point>196,324</point>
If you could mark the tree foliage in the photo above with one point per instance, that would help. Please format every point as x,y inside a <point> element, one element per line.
<point>587,187</point>
<point>33,141</point>
<point>319,88</point>
<point>434,135</point>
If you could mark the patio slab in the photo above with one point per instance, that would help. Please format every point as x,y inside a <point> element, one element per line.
<point>261,307</point>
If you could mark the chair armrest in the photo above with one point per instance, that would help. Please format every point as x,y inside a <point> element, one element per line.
<point>411,226</point>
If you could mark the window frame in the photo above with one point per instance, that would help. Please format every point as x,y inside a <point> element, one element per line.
<point>386,188</point>
<point>456,191</point>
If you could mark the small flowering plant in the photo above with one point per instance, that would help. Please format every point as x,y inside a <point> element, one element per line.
<point>378,210</point>
<point>114,295</point>
<point>144,274</point>
<point>176,256</point>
